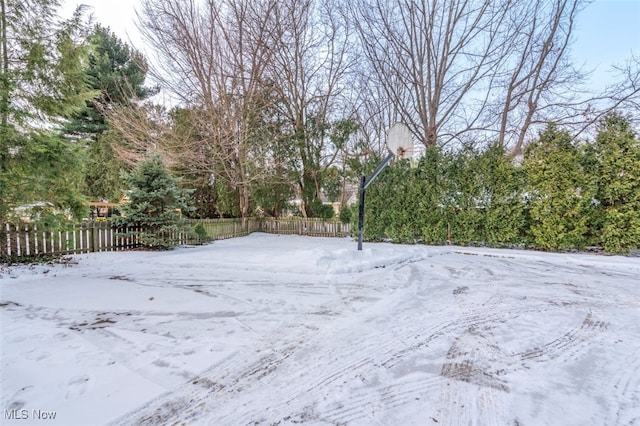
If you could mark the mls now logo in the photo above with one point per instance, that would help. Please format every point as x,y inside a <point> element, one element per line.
<point>26,414</point>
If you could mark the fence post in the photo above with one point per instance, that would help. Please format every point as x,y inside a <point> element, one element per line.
<point>5,247</point>
<point>92,236</point>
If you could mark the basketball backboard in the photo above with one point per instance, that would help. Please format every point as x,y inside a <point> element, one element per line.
<point>399,140</point>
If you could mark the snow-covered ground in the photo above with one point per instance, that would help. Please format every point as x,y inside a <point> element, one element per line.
<point>281,330</point>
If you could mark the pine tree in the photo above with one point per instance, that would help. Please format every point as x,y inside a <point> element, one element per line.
<point>155,204</point>
<point>617,170</point>
<point>117,72</point>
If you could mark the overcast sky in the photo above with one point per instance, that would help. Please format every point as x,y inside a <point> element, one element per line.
<point>608,31</point>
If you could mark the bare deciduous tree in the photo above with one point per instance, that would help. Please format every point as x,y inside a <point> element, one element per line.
<point>434,59</point>
<point>473,69</point>
<point>309,68</point>
<point>212,57</point>
<point>540,81</point>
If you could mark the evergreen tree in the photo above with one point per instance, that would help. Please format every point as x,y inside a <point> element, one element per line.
<point>41,82</point>
<point>556,187</point>
<point>435,188</point>
<point>500,196</point>
<point>117,73</point>
<point>155,204</point>
<point>617,170</point>
<point>484,196</point>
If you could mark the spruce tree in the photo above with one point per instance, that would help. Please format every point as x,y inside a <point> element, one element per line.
<point>155,205</point>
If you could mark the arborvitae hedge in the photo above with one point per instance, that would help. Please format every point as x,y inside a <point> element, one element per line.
<point>562,195</point>
<point>617,167</point>
<point>557,193</point>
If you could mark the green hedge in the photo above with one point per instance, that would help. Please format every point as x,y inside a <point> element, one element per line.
<point>564,194</point>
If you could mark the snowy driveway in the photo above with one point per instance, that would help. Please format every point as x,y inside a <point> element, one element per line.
<point>281,330</point>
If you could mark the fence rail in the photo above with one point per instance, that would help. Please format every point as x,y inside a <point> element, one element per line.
<point>25,241</point>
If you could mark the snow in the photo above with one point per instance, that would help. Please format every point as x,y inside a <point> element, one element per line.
<point>286,329</point>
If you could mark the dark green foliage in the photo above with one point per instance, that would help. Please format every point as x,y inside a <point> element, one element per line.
<point>155,204</point>
<point>46,168</point>
<point>117,72</point>
<point>561,197</point>
<point>616,163</point>
<point>433,205</point>
<point>41,82</point>
<point>392,204</point>
<point>312,175</point>
<point>468,197</point>
<point>345,215</point>
<point>487,193</point>
<point>103,170</point>
<point>272,197</point>
<point>324,211</point>
<point>558,191</point>
<point>201,233</point>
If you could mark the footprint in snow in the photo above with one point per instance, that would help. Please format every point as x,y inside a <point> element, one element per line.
<point>77,386</point>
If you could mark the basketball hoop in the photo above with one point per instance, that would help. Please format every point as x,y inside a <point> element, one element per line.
<point>400,145</point>
<point>399,141</point>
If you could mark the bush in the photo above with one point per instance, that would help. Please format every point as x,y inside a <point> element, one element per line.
<point>559,191</point>
<point>201,233</point>
<point>324,211</point>
<point>345,215</point>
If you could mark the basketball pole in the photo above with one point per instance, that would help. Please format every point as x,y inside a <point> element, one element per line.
<point>361,213</point>
<point>364,183</point>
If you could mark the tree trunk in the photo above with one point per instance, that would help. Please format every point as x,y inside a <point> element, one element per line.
<point>4,85</point>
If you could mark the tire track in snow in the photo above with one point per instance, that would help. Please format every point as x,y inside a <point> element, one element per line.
<point>625,390</point>
<point>569,343</point>
<point>361,354</point>
<point>261,367</point>
<point>237,371</point>
<point>384,397</point>
<point>474,392</point>
<point>359,406</point>
<point>239,376</point>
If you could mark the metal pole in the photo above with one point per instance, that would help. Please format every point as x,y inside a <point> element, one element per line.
<point>361,213</point>
<point>378,169</point>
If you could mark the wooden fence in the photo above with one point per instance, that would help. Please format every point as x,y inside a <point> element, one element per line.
<point>26,241</point>
<point>298,226</point>
<point>31,241</point>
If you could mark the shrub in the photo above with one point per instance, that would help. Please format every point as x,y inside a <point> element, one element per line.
<point>155,205</point>
<point>201,233</point>
<point>345,215</point>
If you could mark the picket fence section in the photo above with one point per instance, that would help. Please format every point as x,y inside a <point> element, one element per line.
<point>26,241</point>
<point>30,240</point>
<point>311,227</point>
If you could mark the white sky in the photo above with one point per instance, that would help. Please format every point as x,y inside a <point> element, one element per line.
<point>608,31</point>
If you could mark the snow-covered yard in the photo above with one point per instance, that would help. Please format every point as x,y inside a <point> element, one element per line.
<point>280,330</point>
